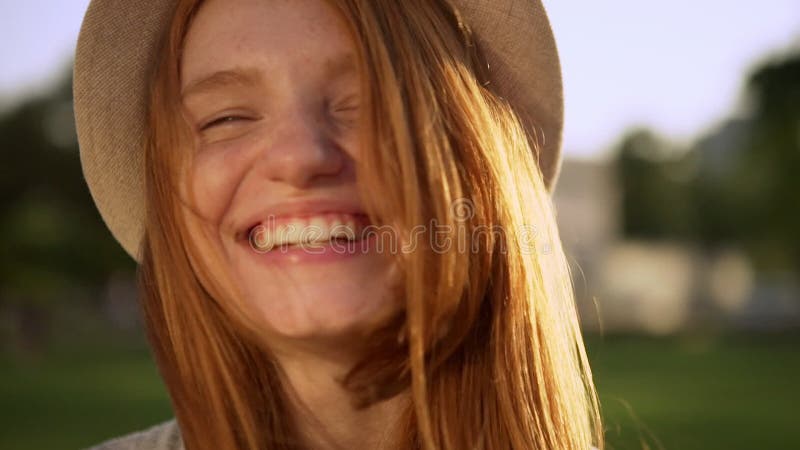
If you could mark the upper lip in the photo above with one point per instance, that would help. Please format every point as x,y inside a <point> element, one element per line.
<point>298,208</point>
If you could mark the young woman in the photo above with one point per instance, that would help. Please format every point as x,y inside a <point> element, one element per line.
<point>342,217</point>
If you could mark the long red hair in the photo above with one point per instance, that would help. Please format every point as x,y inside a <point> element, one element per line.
<point>488,344</point>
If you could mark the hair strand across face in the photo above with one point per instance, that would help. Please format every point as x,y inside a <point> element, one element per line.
<point>488,343</point>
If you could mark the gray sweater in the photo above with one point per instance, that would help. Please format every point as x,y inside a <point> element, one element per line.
<point>164,436</point>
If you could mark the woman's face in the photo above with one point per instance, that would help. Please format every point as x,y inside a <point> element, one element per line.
<point>272,91</point>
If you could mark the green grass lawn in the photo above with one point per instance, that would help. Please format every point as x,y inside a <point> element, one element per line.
<point>699,393</point>
<point>678,393</point>
<point>71,400</point>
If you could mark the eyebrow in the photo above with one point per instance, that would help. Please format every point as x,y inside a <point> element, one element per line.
<point>238,77</point>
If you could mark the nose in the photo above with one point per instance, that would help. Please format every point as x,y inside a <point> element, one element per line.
<point>300,152</point>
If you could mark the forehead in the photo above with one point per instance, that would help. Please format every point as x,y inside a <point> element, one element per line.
<point>272,35</point>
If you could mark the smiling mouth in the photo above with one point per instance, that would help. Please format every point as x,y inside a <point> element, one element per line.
<point>310,231</point>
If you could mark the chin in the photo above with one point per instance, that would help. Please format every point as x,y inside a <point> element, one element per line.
<point>315,304</point>
<point>332,305</point>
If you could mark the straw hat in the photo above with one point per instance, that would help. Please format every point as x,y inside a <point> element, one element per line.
<point>117,48</point>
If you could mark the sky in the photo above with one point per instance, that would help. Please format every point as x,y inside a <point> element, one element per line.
<point>677,66</point>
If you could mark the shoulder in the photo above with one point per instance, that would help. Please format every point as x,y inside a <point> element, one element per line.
<point>164,436</point>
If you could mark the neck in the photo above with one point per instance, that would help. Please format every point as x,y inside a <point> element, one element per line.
<point>322,408</point>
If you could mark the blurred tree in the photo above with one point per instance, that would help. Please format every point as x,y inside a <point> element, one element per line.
<point>739,185</point>
<point>53,242</point>
<point>656,186</point>
<point>766,174</point>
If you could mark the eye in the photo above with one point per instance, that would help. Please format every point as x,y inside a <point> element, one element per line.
<point>347,104</point>
<point>224,120</point>
<point>345,110</point>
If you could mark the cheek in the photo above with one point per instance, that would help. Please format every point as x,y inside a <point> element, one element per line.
<point>214,177</point>
<point>352,143</point>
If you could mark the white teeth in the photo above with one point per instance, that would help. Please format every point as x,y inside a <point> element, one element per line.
<point>350,226</point>
<point>314,231</point>
<point>317,223</point>
<point>261,240</point>
<point>335,229</point>
<point>291,232</point>
<point>344,230</point>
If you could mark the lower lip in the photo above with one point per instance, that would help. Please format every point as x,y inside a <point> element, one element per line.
<point>335,251</point>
